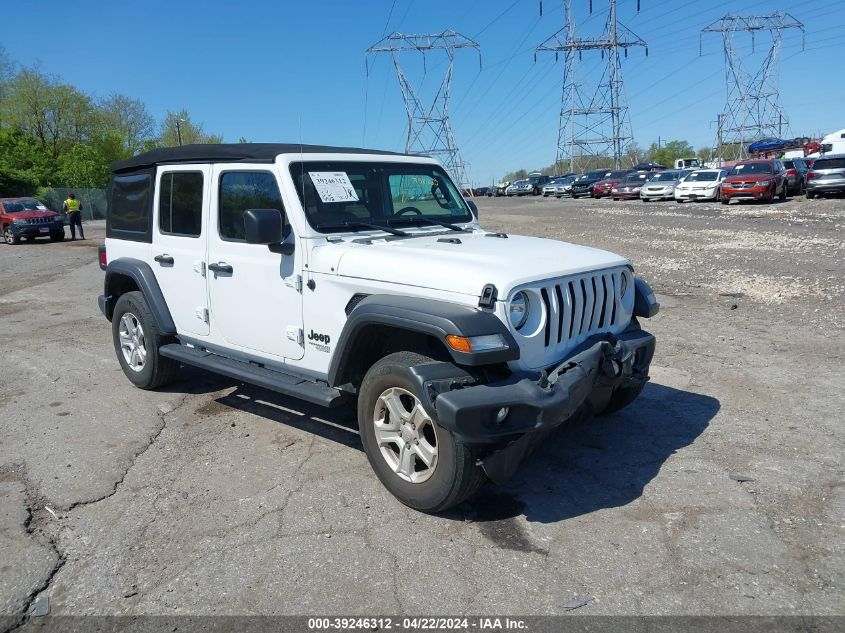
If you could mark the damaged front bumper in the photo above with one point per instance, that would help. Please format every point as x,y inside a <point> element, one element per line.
<point>517,411</point>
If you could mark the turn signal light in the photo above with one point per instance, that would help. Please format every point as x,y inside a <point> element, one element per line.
<point>459,343</point>
<point>486,343</point>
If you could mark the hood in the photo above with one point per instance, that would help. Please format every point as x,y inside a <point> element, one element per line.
<point>465,268</point>
<point>31,215</point>
<point>749,178</point>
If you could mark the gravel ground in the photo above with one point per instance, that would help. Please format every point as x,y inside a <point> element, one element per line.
<point>719,491</point>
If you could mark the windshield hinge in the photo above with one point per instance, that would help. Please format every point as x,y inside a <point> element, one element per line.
<point>488,296</point>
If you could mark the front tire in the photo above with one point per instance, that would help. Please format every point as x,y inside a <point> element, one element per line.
<point>136,342</point>
<point>420,463</point>
<point>622,397</point>
<point>9,237</point>
<point>57,237</point>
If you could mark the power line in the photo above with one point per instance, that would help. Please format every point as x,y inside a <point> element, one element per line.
<point>429,132</point>
<point>593,121</point>
<point>752,110</point>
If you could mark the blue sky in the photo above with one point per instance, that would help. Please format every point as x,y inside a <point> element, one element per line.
<point>285,71</point>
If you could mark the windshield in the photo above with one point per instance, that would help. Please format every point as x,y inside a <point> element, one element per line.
<point>24,205</point>
<point>336,195</point>
<point>565,181</point>
<point>636,178</point>
<point>617,174</point>
<point>701,176</point>
<point>665,176</point>
<point>533,179</point>
<point>750,168</point>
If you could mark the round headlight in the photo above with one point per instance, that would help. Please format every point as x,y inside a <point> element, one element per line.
<point>518,310</point>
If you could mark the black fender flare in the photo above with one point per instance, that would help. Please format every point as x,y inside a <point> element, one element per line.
<point>645,303</point>
<point>426,316</point>
<point>144,277</point>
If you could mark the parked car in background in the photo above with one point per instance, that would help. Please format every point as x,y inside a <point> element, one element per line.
<point>475,191</point>
<point>538,181</point>
<point>702,184</point>
<point>796,174</point>
<point>519,188</point>
<point>826,176</point>
<point>661,185</point>
<point>29,218</point>
<point>499,188</point>
<point>550,187</point>
<point>604,187</point>
<point>757,179</point>
<point>649,167</point>
<point>564,186</point>
<point>629,189</point>
<point>583,186</point>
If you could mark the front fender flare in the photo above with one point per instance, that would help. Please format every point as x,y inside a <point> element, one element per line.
<point>431,317</point>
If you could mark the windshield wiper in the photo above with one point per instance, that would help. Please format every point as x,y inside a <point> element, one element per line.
<point>419,218</point>
<point>368,225</point>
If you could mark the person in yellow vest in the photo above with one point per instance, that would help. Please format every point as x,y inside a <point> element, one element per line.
<point>73,209</point>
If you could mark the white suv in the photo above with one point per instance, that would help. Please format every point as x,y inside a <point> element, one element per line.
<point>341,275</point>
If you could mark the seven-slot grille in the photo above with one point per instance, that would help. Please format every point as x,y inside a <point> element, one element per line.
<point>580,306</point>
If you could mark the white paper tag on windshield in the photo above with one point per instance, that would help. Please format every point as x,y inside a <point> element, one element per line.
<point>333,186</point>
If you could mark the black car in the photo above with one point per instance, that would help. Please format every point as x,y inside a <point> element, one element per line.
<point>796,174</point>
<point>649,167</point>
<point>584,185</point>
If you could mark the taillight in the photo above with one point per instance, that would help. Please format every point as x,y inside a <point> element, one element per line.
<point>811,175</point>
<point>791,172</point>
<point>101,256</point>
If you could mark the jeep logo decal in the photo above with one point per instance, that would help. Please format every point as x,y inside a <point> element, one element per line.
<point>319,338</point>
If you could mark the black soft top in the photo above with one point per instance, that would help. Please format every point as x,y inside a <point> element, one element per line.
<point>230,152</point>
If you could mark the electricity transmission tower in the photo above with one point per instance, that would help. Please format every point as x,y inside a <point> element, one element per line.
<point>429,132</point>
<point>594,119</point>
<point>752,110</point>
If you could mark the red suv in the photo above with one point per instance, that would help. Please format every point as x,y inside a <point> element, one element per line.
<point>756,179</point>
<point>29,218</point>
<point>605,187</point>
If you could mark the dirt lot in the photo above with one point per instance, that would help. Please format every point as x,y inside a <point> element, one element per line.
<point>719,491</point>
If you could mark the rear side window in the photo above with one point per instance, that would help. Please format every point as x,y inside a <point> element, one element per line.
<point>180,203</point>
<point>241,191</point>
<point>829,163</point>
<point>129,212</point>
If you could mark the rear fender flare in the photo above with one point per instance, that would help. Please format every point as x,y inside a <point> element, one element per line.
<point>145,279</point>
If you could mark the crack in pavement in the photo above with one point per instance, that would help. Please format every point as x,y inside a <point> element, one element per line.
<point>33,500</point>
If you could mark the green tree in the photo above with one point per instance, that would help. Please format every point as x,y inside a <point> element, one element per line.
<point>668,153</point>
<point>129,120</point>
<point>83,166</point>
<point>191,132</point>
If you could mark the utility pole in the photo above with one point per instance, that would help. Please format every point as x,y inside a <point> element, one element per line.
<point>752,109</point>
<point>594,120</point>
<point>179,132</point>
<point>429,132</point>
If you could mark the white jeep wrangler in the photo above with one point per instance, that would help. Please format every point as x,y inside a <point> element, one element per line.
<point>335,275</point>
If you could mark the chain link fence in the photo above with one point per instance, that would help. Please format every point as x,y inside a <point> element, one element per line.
<point>93,201</point>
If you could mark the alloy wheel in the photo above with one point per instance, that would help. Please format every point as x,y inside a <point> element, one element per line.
<point>405,434</point>
<point>133,345</point>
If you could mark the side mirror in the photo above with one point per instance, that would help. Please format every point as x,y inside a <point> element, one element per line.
<point>266,226</point>
<point>473,207</point>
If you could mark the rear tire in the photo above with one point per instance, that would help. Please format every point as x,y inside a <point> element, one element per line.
<point>137,340</point>
<point>388,405</point>
<point>810,195</point>
<point>57,237</point>
<point>783,194</point>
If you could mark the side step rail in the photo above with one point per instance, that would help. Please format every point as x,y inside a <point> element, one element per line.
<point>277,381</point>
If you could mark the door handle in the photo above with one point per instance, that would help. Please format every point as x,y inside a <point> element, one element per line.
<point>163,259</point>
<point>220,267</point>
